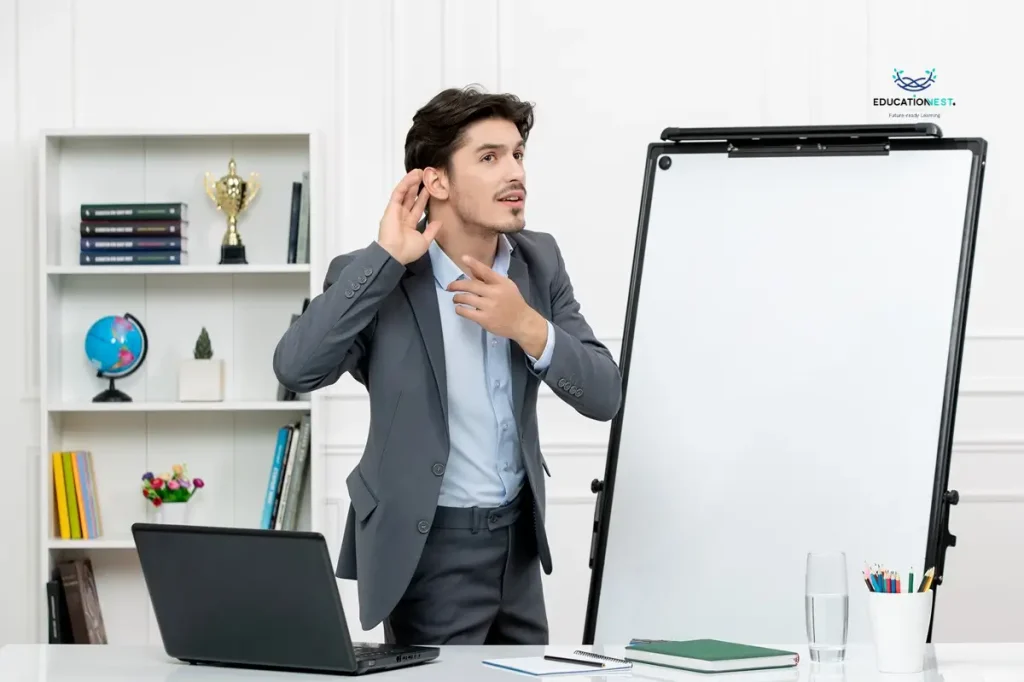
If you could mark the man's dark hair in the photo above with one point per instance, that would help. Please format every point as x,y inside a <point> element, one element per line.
<point>438,127</point>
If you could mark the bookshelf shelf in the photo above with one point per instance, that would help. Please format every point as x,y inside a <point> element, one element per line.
<point>233,406</point>
<point>177,270</point>
<point>240,444</point>
<point>91,544</point>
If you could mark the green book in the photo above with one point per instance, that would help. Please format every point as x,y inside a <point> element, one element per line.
<point>709,655</point>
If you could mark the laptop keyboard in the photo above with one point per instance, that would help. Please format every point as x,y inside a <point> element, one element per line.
<point>371,649</point>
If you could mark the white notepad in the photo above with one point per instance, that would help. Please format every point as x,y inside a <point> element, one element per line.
<point>538,665</point>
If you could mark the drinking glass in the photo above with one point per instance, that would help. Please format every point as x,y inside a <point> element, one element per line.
<point>827,606</point>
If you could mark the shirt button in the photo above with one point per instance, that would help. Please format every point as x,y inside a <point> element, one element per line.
<point>494,342</point>
<point>497,383</point>
<point>504,427</point>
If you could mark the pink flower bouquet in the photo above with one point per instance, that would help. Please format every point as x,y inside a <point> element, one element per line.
<point>175,486</point>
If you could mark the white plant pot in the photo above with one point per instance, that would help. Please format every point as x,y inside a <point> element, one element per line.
<point>201,380</point>
<point>173,513</point>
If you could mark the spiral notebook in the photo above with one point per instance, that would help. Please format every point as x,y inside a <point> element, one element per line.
<point>578,662</point>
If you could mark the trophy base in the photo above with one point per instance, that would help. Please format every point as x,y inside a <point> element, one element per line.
<point>233,254</point>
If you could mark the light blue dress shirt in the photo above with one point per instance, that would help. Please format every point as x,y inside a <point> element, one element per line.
<point>485,466</point>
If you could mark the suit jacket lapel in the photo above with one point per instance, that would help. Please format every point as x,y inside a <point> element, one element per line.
<point>520,274</point>
<point>420,289</point>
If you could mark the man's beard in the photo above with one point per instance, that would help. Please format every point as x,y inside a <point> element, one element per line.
<point>510,225</point>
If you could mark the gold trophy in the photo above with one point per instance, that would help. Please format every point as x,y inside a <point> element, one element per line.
<point>232,195</point>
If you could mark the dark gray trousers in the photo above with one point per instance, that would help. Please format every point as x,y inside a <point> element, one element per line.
<point>478,581</point>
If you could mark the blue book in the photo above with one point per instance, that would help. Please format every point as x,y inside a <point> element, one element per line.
<point>276,468</point>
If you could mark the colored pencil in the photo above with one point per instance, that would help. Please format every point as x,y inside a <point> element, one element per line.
<point>926,580</point>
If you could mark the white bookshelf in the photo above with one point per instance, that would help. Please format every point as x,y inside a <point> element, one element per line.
<point>245,308</point>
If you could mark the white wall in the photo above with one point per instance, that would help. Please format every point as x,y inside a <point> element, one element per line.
<point>606,83</point>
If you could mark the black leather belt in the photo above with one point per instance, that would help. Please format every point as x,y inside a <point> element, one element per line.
<point>482,518</point>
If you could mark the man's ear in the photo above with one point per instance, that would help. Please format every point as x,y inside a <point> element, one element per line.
<point>436,182</point>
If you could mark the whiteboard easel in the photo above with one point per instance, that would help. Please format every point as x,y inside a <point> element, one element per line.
<point>790,361</point>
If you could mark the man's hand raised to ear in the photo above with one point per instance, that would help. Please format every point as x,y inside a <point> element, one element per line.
<point>398,234</point>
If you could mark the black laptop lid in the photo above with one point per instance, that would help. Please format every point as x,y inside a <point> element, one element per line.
<point>245,597</point>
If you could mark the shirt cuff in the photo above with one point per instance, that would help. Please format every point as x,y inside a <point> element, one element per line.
<point>540,364</point>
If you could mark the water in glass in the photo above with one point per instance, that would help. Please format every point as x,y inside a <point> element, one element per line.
<point>827,606</point>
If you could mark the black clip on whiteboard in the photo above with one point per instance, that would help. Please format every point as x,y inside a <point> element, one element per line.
<point>790,362</point>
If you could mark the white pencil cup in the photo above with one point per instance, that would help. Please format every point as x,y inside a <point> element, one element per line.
<point>899,629</point>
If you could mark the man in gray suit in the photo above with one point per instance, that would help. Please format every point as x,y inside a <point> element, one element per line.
<point>451,323</point>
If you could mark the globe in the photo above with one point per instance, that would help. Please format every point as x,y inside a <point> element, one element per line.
<point>116,347</point>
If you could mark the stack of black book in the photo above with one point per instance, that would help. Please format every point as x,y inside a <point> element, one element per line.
<point>134,234</point>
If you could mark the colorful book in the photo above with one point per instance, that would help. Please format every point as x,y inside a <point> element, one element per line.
<point>133,211</point>
<point>60,497</point>
<point>276,469</point>
<point>76,499</point>
<point>103,244</point>
<point>134,228</point>
<point>130,257</point>
<point>709,655</point>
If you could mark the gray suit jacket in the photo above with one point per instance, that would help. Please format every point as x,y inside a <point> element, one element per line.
<point>379,321</point>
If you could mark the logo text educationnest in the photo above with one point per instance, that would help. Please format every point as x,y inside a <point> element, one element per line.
<point>913,85</point>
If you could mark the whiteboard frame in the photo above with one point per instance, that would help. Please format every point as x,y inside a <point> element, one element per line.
<point>809,141</point>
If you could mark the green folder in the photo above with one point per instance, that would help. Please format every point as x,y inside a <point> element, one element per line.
<point>709,655</point>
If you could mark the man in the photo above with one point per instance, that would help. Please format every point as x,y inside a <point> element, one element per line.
<point>451,323</point>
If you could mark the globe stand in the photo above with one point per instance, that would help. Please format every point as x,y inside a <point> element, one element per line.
<point>111,395</point>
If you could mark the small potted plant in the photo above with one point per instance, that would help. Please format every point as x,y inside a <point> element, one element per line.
<point>170,493</point>
<point>201,378</point>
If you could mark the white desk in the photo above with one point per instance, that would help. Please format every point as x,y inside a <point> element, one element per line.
<point>85,663</point>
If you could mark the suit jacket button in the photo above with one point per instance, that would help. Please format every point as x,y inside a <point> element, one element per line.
<point>423,526</point>
<point>348,293</point>
<point>561,383</point>
<point>368,272</point>
<point>579,392</point>
<point>438,469</point>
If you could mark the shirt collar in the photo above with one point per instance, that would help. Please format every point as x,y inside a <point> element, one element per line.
<point>446,271</point>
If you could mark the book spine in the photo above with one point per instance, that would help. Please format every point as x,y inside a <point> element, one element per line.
<point>53,610</point>
<point>73,597</point>
<point>148,228</point>
<point>131,258</point>
<point>146,211</point>
<point>275,473</point>
<point>303,246</point>
<point>134,244</point>
<point>293,225</point>
<point>295,485</point>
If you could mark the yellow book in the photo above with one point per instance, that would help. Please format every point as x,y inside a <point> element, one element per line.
<point>72,495</point>
<point>84,525</point>
<point>60,496</point>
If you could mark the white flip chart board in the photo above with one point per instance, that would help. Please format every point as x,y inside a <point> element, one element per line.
<point>791,357</point>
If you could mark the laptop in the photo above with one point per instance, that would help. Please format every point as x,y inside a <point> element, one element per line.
<point>251,598</point>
